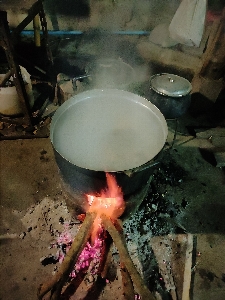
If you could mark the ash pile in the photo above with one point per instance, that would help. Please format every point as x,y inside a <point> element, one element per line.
<point>156,239</point>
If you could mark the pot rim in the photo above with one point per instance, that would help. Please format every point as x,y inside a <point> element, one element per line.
<point>86,95</point>
<point>151,163</point>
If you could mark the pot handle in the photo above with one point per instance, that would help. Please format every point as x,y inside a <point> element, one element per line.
<point>147,165</point>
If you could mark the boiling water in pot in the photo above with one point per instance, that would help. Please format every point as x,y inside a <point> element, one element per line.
<point>109,130</point>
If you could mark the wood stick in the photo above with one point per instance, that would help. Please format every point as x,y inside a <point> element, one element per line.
<point>57,282</point>
<point>187,269</point>
<point>106,254</point>
<point>214,56</point>
<point>107,262</point>
<point>128,288</point>
<point>116,232</point>
<point>73,286</point>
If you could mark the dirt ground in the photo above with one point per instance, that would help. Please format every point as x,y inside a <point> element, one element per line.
<point>29,174</point>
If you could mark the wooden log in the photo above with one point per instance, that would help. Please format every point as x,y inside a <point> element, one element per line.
<point>86,285</point>
<point>73,286</point>
<point>162,249</point>
<point>108,260</point>
<point>174,257</point>
<point>116,232</point>
<point>57,282</point>
<point>128,288</point>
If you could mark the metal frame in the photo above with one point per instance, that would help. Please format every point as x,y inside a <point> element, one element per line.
<point>7,40</point>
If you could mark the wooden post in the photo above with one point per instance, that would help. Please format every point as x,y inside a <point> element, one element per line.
<point>209,80</point>
<point>37,36</point>
<point>5,42</point>
<point>213,66</point>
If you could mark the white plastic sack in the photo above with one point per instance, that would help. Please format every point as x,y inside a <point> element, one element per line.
<point>160,35</point>
<point>187,25</point>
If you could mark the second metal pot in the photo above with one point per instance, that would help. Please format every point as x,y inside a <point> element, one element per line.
<point>170,93</point>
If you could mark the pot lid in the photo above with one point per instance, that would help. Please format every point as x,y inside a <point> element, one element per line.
<point>170,85</point>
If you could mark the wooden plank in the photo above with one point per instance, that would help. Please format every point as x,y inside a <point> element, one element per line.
<point>174,257</point>
<point>169,57</point>
<point>187,268</point>
<point>32,12</point>
<point>214,56</point>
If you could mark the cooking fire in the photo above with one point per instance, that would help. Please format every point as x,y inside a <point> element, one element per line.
<point>110,202</point>
<point>89,250</point>
<point>101,257</point>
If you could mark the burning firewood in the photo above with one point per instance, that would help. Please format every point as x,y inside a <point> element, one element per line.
<point>102,216</point>
<point>128,288</point>
<point>116,232</point>
<point>56,283</point>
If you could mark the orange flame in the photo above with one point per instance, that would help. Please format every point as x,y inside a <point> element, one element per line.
<point>110,202</point>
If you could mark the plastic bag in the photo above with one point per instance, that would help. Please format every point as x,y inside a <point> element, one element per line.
<point>160,35</point>
<point>187,25</point>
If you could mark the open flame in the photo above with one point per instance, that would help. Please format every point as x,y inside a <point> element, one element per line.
<point>110,202</point>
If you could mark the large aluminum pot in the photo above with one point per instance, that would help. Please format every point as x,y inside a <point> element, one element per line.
<point>109,130</point>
